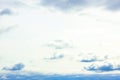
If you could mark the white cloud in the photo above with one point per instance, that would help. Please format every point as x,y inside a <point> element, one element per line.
<point>82,33</point>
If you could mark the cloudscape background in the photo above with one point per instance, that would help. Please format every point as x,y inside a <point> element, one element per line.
<point>59,37</point>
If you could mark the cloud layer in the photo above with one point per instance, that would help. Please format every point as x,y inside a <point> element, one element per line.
<point>38,76</point>
<point>81,4</point>
<point>113,4</point>
<point>64,4</point>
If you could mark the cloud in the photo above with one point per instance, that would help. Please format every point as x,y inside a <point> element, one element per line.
<point>113,4</point>
<point>39,76</point>
<point>6,12</point>
<point>15,67</point>
<point>94,58</point>
<point>59,44</point>
<point>103,68</point>
<point>82,4</point>
<point>55,56</point>
<point>6,29</point>
<point>9,4</point>
<point>64,4</point>
<point>89,60</point>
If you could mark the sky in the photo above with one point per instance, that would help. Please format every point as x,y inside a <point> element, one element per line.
<point>60,36</point>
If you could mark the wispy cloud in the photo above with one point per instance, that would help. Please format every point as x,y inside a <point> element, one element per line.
<point>55,56</point>
<point>12,3</point>
<point>94,59</point>
<point>59,44</point>
<point>6,29</point>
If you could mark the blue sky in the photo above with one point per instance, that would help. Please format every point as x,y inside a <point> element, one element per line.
<point>60,36</point>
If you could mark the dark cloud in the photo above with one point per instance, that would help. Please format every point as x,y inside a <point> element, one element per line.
<point>103,68</point>
<point>81,4</point>
<point>15,67</point>
<point>6,12</point>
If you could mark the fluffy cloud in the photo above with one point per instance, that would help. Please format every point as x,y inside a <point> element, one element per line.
<point>15,67</point>
<point>103,68</point>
